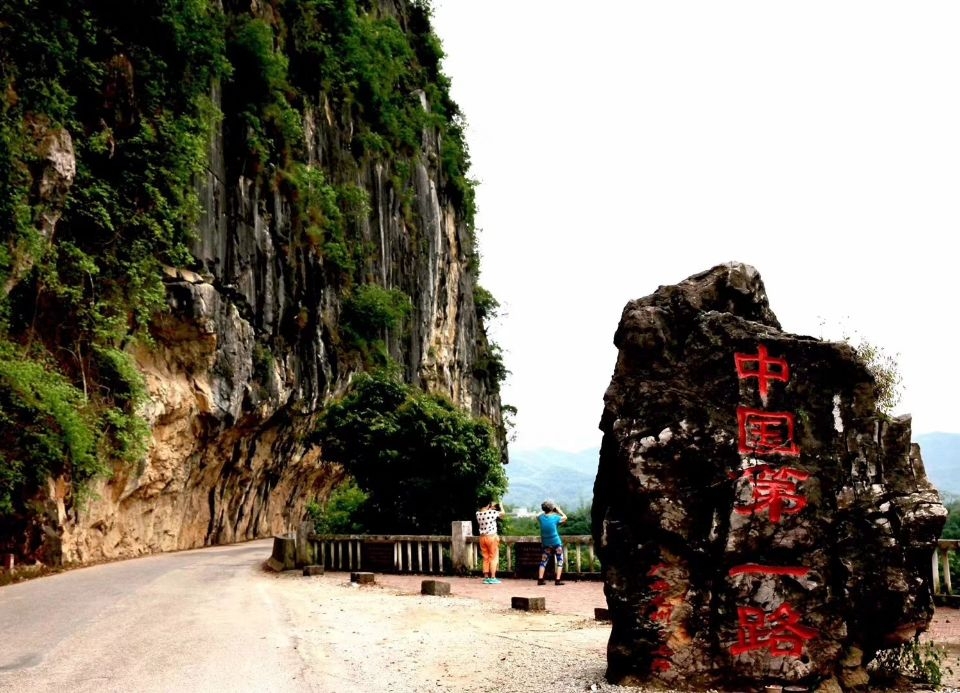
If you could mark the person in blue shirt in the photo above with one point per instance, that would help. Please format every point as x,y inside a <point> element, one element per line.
<point>549,520</point>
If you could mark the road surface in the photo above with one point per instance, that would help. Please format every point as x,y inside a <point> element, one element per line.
<point>214,620</point>
<point>187,621</point>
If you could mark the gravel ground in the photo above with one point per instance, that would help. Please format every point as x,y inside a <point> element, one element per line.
<point>376,638</point>
<point>389,638</point>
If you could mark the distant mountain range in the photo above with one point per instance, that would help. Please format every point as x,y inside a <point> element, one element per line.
<point>941,459</point>
<point>567,477</point>
<point>563,476</point>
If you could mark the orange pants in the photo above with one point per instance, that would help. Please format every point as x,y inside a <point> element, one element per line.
<point>490,548</point>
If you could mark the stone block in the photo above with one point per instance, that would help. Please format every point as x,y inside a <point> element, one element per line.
<point>601,614</point>
<point>362,578</point>
<point>284,555</point>
<point>529,603</point>
<point>436,588</point>
<point>528,555</point>
<point>310,570</point>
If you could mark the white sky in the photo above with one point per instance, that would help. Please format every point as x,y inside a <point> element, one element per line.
<point>621,145</point>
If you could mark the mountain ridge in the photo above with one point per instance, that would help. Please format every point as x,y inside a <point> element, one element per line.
<point>567,476</point>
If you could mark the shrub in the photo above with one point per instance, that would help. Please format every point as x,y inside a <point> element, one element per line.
<point>342,512</point>
<point>920,662</point>
<point>47,429</point>
<point>489,366</point>
<point>484,303</point>
<point>423,461</point>
<point>372,309</point>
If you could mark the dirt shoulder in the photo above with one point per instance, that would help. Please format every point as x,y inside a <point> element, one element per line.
<point>389,637</point>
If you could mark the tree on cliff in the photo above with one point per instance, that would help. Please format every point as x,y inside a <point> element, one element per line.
<point>423,461</point>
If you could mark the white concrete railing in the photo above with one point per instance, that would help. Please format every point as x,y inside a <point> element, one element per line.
<point>578,552</point>
<point>410,553</point>
<point>438,554</point>
<point>942,585</point>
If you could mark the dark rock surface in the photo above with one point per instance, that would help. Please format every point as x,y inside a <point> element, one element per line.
<point>758,520</point>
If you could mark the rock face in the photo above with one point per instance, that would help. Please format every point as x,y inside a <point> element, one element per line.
<point>758,520</point>
<point>252,348</point>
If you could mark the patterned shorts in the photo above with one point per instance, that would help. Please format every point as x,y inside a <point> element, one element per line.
<point>547,551</point>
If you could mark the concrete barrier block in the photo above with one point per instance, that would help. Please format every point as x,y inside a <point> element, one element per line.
<point>362,578</point>
<point>436,588</point>
<point>284,555</point>
<point>529,603</point>
<point>309,570</point>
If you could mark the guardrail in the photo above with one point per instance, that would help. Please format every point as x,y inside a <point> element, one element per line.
<point>943,593</point>
<point>577,548</point>
<point>458,552</point>
<point>403,553</point>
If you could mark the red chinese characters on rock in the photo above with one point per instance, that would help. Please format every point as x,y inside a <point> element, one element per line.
<point>774,491</point>
<point>662,611</point>
<point>661,659</point>
<point>763,367</point>
<point>764,433</point>
<point>779,632</point>
<point>757,569</point>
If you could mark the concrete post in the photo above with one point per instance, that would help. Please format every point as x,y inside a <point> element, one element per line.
<point>461,557</point>
<point>304,547</point>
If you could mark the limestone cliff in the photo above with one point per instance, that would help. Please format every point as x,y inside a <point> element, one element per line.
<point>257,333</point>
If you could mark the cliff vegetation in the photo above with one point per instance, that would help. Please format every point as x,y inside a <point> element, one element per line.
<point>213,215</point>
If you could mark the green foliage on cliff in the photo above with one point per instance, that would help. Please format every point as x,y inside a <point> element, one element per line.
<point>128,91</point>
<point>423,461</point>
<point>371,309</point>
<point>46,428</point>
<point>381,77</point>
<point>128,87</point>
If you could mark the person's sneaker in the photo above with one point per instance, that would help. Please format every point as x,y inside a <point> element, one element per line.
<point>541,582</point>
<point>492,581</point>
<point>559,582</point>
<point>486,581</point>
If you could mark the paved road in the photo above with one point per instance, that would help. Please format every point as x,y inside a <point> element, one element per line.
<point>212,620</point>
<point>192,620</point>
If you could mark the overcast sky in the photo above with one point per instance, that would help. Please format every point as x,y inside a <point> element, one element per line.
<point>624,145</point>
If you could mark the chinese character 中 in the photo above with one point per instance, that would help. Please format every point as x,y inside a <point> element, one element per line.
<point>767,368</point>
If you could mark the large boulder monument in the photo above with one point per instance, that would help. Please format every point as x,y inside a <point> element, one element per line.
<point>759,520</point>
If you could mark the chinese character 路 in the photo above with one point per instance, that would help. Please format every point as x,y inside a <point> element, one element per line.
<point>779,632</point>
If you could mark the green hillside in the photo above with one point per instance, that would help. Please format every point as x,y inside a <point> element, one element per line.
<point>566,477</point>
